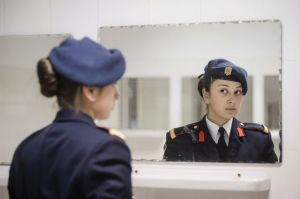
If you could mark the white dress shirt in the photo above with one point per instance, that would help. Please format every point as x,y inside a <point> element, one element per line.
<point>214,130</point>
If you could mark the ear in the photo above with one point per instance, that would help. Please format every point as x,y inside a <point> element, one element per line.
<point>205,95</point>
<point>89,93</point>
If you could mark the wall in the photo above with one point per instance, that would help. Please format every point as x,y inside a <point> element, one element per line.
<point>81,17</point>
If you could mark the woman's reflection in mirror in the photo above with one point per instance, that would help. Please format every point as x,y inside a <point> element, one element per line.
<point>219,136</point>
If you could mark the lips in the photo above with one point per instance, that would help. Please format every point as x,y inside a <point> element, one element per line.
<point>230,109</point>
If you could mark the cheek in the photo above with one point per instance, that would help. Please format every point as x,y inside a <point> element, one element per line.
<point>104,107</point>
<point>110,100</point>
<point>107,100</point>
<point>240,100</point>
<point>216,99</point>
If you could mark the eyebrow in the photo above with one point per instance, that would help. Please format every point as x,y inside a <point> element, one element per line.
<point>240,86</point>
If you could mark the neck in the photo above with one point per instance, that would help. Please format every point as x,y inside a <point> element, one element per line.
<point>217,120</point>
<point>82,105</point>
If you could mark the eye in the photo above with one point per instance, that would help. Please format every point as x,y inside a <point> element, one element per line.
<point>238,92</point>
<point>224,91</point>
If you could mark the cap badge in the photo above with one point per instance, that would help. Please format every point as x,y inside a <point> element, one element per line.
<point>227,70</point>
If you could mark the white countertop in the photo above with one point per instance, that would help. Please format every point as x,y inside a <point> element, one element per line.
<point>173,176</point>
<point>198,178</point>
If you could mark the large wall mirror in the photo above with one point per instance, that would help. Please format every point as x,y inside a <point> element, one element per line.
<point>159,90</point>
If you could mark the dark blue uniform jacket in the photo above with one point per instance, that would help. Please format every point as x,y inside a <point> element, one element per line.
<point>71,158</point>
<point>193,142</point>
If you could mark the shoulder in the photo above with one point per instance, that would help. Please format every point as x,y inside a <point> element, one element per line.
<point>88,132</point>
<point>112,134</point>
<point>110,146</point>
<point>254,128</point>
<point>102,146</point>
<point>94,139</point>
<point>33,139</point>
<point>87,137</point>
<point>183,131</point>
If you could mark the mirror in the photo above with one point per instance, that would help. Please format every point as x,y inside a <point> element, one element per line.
<point>23,109</point>
<point>136,93</point>
<point>171,57</point>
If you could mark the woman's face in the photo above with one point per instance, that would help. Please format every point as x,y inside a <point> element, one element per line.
<point>224,100</point>
<point>105,101</point>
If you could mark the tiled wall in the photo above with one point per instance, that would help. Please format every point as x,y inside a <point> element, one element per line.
<point>81,17</point>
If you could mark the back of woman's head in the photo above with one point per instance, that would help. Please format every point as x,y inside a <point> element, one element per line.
<point>52,84</point>
<point>47,78</point>
<point>76,63</point>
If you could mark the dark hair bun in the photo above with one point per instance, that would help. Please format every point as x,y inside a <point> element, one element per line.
<point>47,78</point>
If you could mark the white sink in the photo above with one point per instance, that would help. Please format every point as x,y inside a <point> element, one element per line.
<point>167,180</point>
<point>189,181</point>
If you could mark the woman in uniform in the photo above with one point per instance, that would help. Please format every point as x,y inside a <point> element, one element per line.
<point>219,136</point>
<point>72,157</point>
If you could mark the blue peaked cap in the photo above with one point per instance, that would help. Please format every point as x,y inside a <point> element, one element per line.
<point>226,70</point>
<point>87,62</point>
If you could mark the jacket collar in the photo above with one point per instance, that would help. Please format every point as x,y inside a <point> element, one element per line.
<point>209,146</point>
<point>214,128</point>
<point>67,115</point>
<point>234,141</point>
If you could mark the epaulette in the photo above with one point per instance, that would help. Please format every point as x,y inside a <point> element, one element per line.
<point>255,127</point>
<point>184,130</point>
<point>112,132</point>
<point>172,134</point>
<point>181,130</point>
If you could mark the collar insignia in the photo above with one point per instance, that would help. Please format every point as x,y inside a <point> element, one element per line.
<point>201,136</point>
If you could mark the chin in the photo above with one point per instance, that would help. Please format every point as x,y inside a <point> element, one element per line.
<point>230,113</point>
<point>228,116</point>
<point>103,117</point>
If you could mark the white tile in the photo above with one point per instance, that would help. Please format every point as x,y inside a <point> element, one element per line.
<point>284,177</point>
<point>76,17</point>
<point>1,17</point>
<point>26,17</point>
<point>285,10</point>
<point>289,175</point>
<point>175,11</point>
<point>275,9</point>
<point>219,10</point>
<point>123,12</point>
<point>291,39</point>
<point>288,12</point>
<point>290,104</point>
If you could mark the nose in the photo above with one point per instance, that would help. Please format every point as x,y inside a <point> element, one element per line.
<point>230,99</point>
